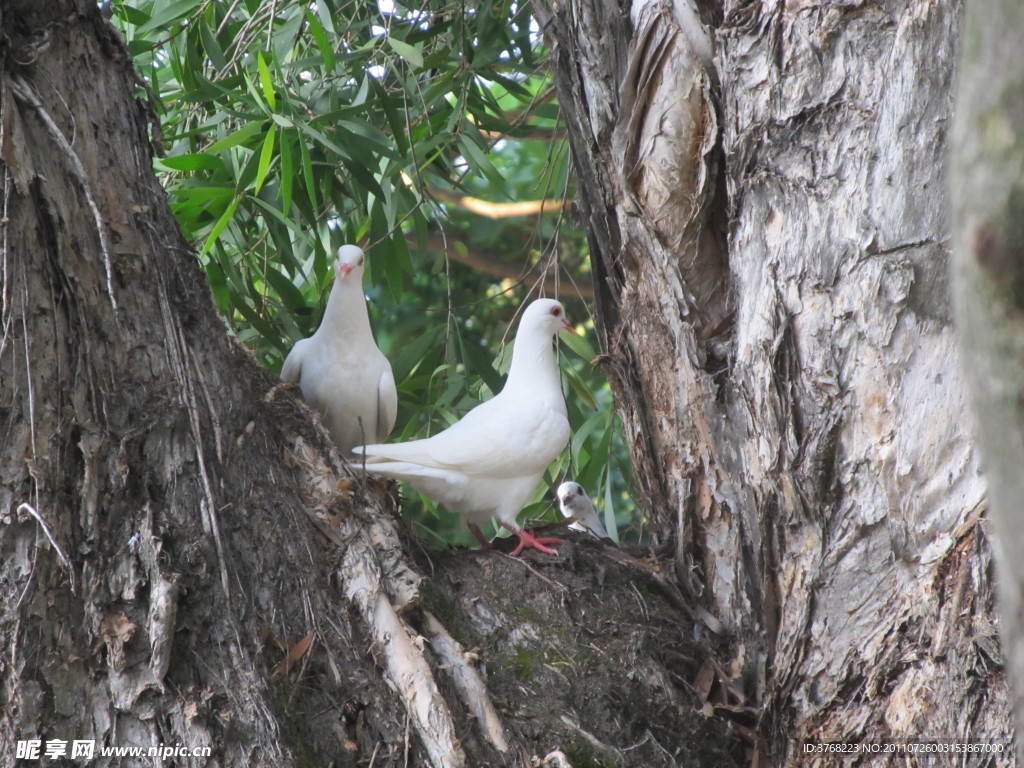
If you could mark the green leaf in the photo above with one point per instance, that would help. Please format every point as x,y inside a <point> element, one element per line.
<point>190,162</point>
<point>275,215</point>
<point>240,136</point>
<point>580,389</point>
<point>609,509</point>
<point>359,133</point>
<point>365,177</point>
<point>582,433</point>
<point>479,161</point>
<point>307,171</point>
<point>266,155</point>
<point>412,353</point>
<point>287,172</point>
<point>222,222</point>
<point>290,295</point>
<point>408,52</point>
<point>326,17</point>
<point>578,343</point>
<point>131,14</point>
<point>172,12</point>
<point>483,366</point>
<point>253,317</point>
<point>218,286</point>
<point>265,81</point>
<point>395,122</point>
<point>210,44</point>
<point>257,98</point>
<point>322,42</point>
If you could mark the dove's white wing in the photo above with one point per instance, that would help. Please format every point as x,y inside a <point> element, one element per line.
<point>495,439</point>
<point>387,403</point>
<point>291,371</point>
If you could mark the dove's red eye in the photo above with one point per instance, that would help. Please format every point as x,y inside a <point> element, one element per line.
<point>556,311</point>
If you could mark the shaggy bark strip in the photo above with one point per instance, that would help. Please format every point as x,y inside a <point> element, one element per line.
<point>377,579</point>
<point>162,536</point>
<point>987,186</point>
<point>404,662</point>
<point>794,405</point>
<point>468,682</point>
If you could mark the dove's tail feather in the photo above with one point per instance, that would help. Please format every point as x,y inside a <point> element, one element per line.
<point>413,452</point>
<point>439,484</point>
<point>403,470</point>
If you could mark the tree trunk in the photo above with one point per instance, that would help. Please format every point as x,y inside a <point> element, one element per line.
<point>185,561</point>
<point>156,550</point>
<point>793,401</point>
<point>987,186</point>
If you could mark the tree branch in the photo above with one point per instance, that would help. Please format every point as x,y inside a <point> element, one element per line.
<point>499,210</point>
<point>497,267</point>
<point>535,133</point>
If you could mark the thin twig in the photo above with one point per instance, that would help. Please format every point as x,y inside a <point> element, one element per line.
<point>25,93</point>
<point>25,507</point>
<point>533,570</point>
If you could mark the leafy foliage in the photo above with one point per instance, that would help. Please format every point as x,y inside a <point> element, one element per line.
<point>292,127</point>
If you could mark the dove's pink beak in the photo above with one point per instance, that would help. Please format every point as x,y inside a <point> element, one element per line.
<point>345,269</point>
<point>566,326</point>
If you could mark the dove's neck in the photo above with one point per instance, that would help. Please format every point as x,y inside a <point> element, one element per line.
<point>533,364</point>
<point>346,308</point>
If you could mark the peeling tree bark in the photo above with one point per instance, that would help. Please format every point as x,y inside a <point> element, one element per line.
<point>988,192</point>
<point>158,562</point>
<point>794,402</point>
<point>186,561</point>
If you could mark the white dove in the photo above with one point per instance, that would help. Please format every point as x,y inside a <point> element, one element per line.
<point>488,463</point>
<point>574,502</point>
<point>342,373</point>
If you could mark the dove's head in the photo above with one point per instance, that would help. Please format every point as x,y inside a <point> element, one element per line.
<point>546,314</point>
<point>350,259</point>
<point>570,492</point>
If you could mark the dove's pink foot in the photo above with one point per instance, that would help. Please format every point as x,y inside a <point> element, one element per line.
<point>527,539</point>
<point>475,530</point>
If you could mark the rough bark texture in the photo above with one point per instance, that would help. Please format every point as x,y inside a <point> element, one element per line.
<point>806,446</point>
<point>591,652</point>
<point>185,561</point>
<point>151,450</point>
<point>988,191</point>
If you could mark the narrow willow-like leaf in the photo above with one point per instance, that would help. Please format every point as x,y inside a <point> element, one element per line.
<point>287,171</point>
<point>266,83</point>
<point>240,136</point>
<point>190,162</point>
<point>408,52</point>
<point>266,157</point>
<point>578,343</point>
<point>211,46</point>
<point>290,295</point>
<point>322,43</point>
<point>173,12</point>
<point>222,222</point>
